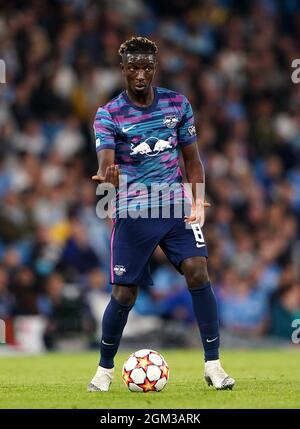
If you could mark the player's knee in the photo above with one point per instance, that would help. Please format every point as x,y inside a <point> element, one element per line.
<point>196,275</point>
<point>125,295</point>
<point>197,279</point>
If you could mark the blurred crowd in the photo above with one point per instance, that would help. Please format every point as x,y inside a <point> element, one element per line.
<point>232,59</point>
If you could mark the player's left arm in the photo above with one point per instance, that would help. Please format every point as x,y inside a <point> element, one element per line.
<point>187,139</point>
<point>196,177</point>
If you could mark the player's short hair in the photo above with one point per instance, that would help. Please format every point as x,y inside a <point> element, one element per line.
<point>140,45</point>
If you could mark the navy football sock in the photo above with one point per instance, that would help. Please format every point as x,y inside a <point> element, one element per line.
<point>113,323</point>
<point>206,312</point>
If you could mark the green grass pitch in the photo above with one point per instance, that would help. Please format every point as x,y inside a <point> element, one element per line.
<point>264,379</point>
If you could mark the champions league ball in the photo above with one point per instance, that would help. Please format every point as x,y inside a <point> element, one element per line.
<point>145,371</point>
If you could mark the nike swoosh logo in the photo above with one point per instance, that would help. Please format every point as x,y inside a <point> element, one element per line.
<point>210,341</point>
<point>127,129</point>
<point>200,245</point>
<point>107,344</point>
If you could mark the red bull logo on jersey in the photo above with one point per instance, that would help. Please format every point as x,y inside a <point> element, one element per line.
<point>152,146</point>
<point>142,148</point>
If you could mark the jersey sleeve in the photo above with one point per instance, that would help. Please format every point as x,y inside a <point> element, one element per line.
<point>186,131</point>
<point>104,129</point>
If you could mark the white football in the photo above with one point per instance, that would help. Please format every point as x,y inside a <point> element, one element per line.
<point>145,371</point>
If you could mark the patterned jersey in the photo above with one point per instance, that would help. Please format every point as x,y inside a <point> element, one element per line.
<point>146,141</point>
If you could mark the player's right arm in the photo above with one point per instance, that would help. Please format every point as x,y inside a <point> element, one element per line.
<point>104,129</point>
<point>107,172</point>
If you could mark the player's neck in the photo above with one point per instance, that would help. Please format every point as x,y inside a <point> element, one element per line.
<point>143,100</point>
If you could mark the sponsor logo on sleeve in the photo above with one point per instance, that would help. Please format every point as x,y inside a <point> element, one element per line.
<point>192,130</point>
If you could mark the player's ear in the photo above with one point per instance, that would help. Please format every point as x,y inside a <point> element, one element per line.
<point>122,67</point>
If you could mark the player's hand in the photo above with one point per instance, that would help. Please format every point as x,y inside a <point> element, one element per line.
<point>111,176</point>
<point>197,213</point>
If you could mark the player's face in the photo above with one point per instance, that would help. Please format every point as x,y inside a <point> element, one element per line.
<point>139,71</point>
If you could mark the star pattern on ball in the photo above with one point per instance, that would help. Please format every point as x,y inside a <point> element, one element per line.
<point>164,371</point>
<point>126,376</point>
<point>148,386</point>
<point>143,362</point>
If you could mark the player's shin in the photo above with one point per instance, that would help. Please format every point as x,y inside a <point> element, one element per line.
<point>206,312</point>
<point>113,323</point>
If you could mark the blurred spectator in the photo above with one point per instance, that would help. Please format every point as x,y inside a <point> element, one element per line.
<point>243,308</point>
<point>95,297</point>
<point>62,307</point>
<point>77,256</point>
<point>45,253</point>
<point>6,298</point>
<point>285,307</point>
<point>96,294</point>
<point>69,140</point>
<point>16,222</point>
<point>23,287</point>
<point>98,232</point>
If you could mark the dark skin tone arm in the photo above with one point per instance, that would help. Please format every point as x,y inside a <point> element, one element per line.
<point>195,174</point>
<point>108,172</point>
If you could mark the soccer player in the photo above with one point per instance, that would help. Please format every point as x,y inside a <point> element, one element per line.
<point>140,134</point>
